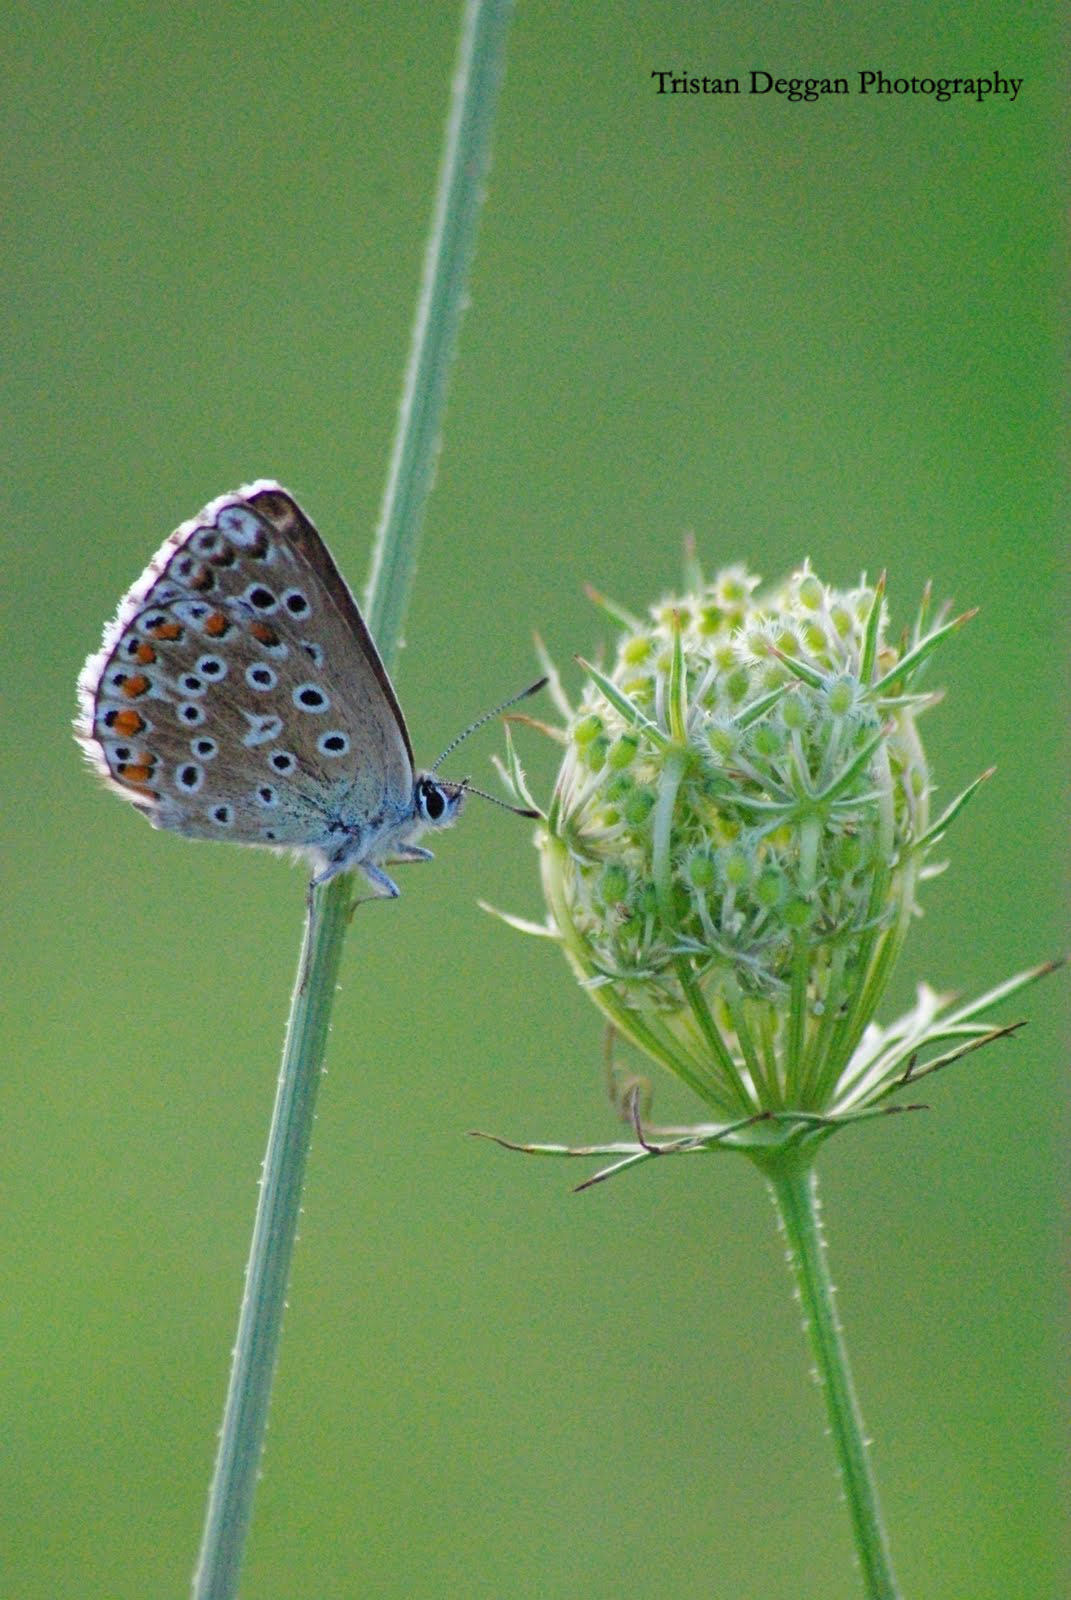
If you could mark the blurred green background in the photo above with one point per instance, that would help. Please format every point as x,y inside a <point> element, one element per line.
<point>821,329</point>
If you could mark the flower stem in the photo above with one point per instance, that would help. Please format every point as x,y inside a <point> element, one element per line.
<point>447,261</point>
<point>442,298</point>
<point>245,1414</point>
<point>794,1186</point>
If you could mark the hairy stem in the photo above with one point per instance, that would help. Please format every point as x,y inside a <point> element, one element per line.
<point>449,255</point>
<point>793,1182</point>
<point>245,1413</point>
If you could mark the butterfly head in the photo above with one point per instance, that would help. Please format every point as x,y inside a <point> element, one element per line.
<point>437,803</point>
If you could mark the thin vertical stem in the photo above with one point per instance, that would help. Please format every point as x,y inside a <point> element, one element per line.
<point>245,1413</point>
<point>449,255</point>
<point>451,244</point>
<point>793,1182</point>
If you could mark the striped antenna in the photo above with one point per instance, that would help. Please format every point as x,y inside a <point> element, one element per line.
<point>518,811</point>
<point>533,688</point>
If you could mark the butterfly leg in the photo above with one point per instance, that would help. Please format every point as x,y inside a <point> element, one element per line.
<point>412,852</point>
<point>386,888</point>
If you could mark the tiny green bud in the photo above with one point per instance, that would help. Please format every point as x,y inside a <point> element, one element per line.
<point>638,686</point>
<point>736,865</point>
<point>797,913</point>
<point>724,742</point>
<point>841,697</point>
<point>794,712</point>
<point>733,587</point>
<point>619,785</point>
<point>737,684</point>
<point>770,887</point>
<point>638,806</point>
<point>810,592</point>
<point>648,900</point>
<point>614,883</point>
<point>586,729</point>
<point>701,869</point>
<point>636,650</point>
<point>595,752</point>
<point>767,740</point>
<point>623,751</point>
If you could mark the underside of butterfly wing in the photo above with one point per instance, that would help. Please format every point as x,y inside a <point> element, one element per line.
<point>239,695</point>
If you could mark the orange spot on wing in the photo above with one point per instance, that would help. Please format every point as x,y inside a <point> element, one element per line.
<point>167,630</point>
<point>134,772</point>
<point>145,654</point>
<point>202,579</point>
<point>261,631</point>
<point>127,723</point>
<point>135,685</point>
<point>216,624</point>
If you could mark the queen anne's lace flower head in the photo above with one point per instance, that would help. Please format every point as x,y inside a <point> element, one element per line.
<point>738,832</point>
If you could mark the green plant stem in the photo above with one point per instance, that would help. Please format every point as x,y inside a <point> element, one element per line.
<point>793,1181</point>
<point>449,255</point>
<point>245,1414</point>
<point>447,261</point>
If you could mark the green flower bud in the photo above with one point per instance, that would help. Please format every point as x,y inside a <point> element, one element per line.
<point>635,650</point>
<point>638,806</point>
<point>648,900</point>
<point>737,868</point>
<point>841,697</point>
<point>734,848</point>
<point>724,741</point>
<point>794,712</point>
<point>737,685</point>
<point>623,751</point>
<point>701,870</point>
<point>595,753</point>
<point>767,741</point>
<point>797,913</point>
<point>618,786</point>
<point>810,592</point>
<point>614,883</point>
<point>770,888</point>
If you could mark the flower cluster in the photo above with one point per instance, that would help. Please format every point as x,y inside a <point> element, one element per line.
<point>739,828</point>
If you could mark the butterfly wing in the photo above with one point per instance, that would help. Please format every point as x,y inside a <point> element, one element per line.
<point>238,693</point>
<point>286,516</point>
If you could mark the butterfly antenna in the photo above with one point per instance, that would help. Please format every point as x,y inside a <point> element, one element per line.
<point>533,688</point>
<point>518,811</point>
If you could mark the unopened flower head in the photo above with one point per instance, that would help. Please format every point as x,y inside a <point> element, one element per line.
<point>734,847</point>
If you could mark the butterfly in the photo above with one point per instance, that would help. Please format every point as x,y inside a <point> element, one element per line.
<point>239,695</point>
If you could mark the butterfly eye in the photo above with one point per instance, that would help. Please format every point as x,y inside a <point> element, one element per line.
<point>431,800</point>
